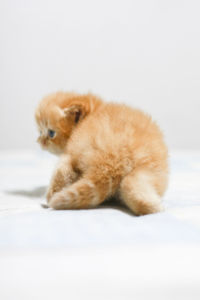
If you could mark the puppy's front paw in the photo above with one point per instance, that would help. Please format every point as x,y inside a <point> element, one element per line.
<point>61,200</point>
<point>53,189</point>
<point>49,194</point>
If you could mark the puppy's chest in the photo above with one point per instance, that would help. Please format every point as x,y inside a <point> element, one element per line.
<point>82,153</point>
<point>80,165</point>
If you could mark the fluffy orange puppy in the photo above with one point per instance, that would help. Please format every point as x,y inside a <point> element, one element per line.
<point>106,150</point>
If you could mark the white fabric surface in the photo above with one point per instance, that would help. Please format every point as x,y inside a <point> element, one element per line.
<point>49,253</point>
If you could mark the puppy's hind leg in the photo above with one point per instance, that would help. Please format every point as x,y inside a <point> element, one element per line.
<point>138,192</point>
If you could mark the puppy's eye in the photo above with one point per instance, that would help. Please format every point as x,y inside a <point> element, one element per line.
<point>51,133</point>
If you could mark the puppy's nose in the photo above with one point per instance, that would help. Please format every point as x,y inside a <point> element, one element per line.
<point>43,141</point>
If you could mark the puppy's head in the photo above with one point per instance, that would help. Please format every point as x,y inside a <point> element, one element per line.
<point>57,115</point>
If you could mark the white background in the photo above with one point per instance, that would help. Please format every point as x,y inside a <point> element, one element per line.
<point>145,53</point>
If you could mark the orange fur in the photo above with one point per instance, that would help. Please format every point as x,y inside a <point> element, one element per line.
<point>107,150</point>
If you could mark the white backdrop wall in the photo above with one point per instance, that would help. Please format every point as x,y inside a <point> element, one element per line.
<point>145,53</point>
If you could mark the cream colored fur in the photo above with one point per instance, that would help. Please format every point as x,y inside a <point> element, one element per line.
<point>106,149</point>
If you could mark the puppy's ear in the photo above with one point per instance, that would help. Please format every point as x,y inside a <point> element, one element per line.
<point>76,111</point>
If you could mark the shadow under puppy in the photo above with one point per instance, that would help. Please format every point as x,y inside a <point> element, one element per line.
<point>105,149</point>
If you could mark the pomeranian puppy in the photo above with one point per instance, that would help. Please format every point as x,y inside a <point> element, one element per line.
<point>106,150</point>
